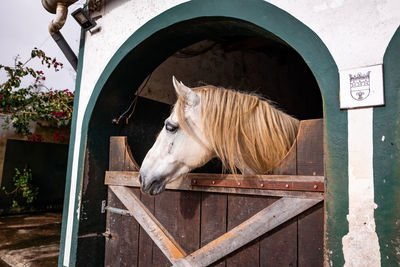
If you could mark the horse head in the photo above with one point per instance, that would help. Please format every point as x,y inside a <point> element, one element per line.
<point>244,131</point>
<point>178,148</point>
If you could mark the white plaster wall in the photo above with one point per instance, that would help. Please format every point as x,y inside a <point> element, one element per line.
<point>356,33</point>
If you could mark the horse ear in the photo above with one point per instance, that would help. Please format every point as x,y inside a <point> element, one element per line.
<point>189,96</point>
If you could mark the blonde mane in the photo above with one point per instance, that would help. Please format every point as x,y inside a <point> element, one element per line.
<point>243,129</point>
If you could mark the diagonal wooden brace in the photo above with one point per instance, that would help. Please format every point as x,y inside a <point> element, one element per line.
<point>274,215</point>
<point>149,223</point>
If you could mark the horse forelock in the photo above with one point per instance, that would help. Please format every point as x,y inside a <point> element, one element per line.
<point>242,129</point>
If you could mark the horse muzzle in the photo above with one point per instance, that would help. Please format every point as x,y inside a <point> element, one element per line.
<point>152,186</point>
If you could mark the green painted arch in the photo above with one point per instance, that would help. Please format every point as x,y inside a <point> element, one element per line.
<point>281,25</point>
<point>386,122</point>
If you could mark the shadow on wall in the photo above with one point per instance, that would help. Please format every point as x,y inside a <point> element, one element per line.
<point>48,162</point>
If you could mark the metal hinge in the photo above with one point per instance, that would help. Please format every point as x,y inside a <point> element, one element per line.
<point>103,206</point>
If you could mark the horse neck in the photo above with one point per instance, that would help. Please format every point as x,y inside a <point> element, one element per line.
<point>258,140</point>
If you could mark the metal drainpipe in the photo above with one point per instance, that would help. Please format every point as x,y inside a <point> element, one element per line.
<point>60,8</point>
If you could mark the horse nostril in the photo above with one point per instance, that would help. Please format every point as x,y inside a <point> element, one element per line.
<point>140,179</point>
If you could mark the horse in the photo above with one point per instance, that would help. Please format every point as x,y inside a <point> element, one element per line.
<point>246,132</point>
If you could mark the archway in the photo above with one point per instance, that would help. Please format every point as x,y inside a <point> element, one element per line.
<point>175,29</point>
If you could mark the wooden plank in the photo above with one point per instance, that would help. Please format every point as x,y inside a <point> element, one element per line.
<point>129,238</point>
<point>311,236</point>
<point>257,192</point>
<point>241,208</point>
<point>179,213</point>
<point>213,219</point>
<point>122,178</point>
<point>288,165</point>
<point>188,220</point>
<point>149,223</point>
<point>165,210</point>
<point>310,148</point>
<point>310,224</point>
<point>279,246</point>
<point>131,179</point>
<point>113,221</point>
<point>130,163</point>
<point>279,212</point>
<point>117,153</point>
<point>122,248</point>
<point>145,242</point>
<point>112,257</point>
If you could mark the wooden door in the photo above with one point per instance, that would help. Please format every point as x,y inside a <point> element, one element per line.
<point>196,215</point>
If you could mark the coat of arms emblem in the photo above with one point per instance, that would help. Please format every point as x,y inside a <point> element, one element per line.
<point>359,85</point>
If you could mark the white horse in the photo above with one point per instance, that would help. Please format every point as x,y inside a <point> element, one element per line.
<point>246,132</point>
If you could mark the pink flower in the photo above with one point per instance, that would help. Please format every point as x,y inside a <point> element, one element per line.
<point>1,95</point>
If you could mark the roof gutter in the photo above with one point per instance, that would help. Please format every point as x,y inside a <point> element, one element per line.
<point>60,8</point>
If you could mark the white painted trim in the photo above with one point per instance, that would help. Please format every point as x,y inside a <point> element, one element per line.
<point>72,195</point>
<point>361,244</point>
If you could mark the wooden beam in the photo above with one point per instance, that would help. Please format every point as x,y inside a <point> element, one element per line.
<point>149,223</point>
<point>121,157</point>
<point>130,178</point>
<point>274,215</point>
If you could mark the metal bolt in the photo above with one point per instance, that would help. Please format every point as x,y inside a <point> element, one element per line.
<point>238,183</point>
<point>262,185</point>
<point>315,186</point>
<point>213,182</point>
<point>286,185</point>
<point>107,233</point>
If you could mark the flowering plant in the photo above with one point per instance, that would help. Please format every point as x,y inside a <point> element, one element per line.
<point>32,103</point>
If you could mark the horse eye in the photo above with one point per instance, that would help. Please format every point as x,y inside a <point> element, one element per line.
<point>170,127</point>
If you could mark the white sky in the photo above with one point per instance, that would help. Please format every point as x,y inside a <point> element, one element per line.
<point>24,25</point>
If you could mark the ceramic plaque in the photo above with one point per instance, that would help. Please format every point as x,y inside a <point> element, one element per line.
<point>361,87</point>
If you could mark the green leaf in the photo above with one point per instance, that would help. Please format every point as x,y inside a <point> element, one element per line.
<point>15,204</point>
